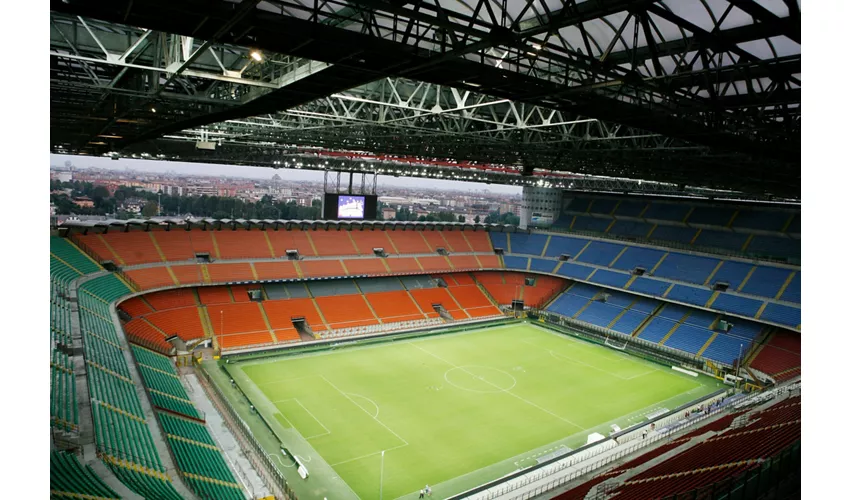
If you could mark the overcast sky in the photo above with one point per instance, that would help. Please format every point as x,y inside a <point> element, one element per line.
<point>267,173</point>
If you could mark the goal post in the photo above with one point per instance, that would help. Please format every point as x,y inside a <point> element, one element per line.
<point>614,344</point>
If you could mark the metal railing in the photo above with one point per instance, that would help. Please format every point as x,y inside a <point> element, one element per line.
<point>667,435</point>
<point>260,459</point>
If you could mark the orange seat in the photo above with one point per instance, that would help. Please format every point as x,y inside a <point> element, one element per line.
<point>464,262</point>
<point>94,244</point>
<point>287,335</point>
<point>236,318</point>
<point>294,239</point>
<point>185,322</point>
<point>151,277</point>
<point>409,242</point>
<point>478,312</point>
<point>469,296</point>
<point>135,307</point>
<point>426,298</point>
<point>333,242</point>
<point>133,247</point>
<point>282,312</point>
<point>367,240</point>
<point>141,332</point>
<point>436,263</point>
<point>176,244</point>
<point>244,339</point>
<point>489,262</point>
<point>435,240</point>
<point>171,299</point>
<point>357,267</point>
<point>275,270</point>
<point>214,295</point>
<point>319,268</point>
<point>479,241</point>
<point>404,265</point>
<point>345,311</point>
<point>240,292</point>
<point>189,274</point>
<point>394,306</point>
<point>242,244</point>
<point>222,273</point>
<point>456,241</point>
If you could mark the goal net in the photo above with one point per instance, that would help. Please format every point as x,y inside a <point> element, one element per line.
<point>620,345</point>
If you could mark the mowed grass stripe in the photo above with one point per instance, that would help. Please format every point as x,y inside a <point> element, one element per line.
<point>457,405</point>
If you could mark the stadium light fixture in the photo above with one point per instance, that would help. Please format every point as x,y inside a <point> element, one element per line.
<point>257,55</point>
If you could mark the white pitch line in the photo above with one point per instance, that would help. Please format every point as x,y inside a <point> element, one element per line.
<point>346,396</point>
<point>500,389</point>
<point>367,455</point>
<point>377,408</point>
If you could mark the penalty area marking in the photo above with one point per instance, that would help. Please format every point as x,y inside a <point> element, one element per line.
<point>327,431</point>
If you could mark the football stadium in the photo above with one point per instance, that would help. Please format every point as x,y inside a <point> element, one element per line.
<point>637,335</point>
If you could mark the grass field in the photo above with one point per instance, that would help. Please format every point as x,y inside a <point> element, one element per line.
<point>452,411</point>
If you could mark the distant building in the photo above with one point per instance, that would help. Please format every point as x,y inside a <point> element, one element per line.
<point>388,213</point>
<point>83,202</point>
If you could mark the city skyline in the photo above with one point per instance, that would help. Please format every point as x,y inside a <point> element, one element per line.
<point>266,173</point>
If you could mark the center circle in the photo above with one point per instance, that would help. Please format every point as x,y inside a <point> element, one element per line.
<point>480,379</point>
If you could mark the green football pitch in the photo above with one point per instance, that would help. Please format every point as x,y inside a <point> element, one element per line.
<point>452,411</point>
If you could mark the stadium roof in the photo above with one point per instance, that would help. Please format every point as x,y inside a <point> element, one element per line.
<point>691,92</point>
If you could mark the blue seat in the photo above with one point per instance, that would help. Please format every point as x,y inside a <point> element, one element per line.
<point>684,267</point>
<point>600,253</point>
<point>775,246</point>
<point>732,272</point>
<point>583,290</point>
<point>649,286</point>
<point>528,244</point>
<point>543,265</point>
<point>735,304</point>
<point>744,329</point>
<point>688,338</point>
<point>766,281</point>
<point>561,245</point>
<point>630,228</point>
<point>599,313</point>
<point>499,240</point>
<point>700,318</point>
<point>711,216</point>
<point>767,220</point>
<point>645,304</point>
<point>610,278</point>
<point>567,304</point>
<point>603,206</point>
<point>690,294</point>
<point>792,292</point>
<point>667,211</point>
<point>619,298</point>
<point>673,233</point>
<point>629,322</point>
<point>577,204</point>
<point>673,312</point>
<point>726,349</point>
<point>588,223</point>
<point>782,314</point>
<point>656,329</point>
<point>721,239</point>
<point>576,271</point>
<point>794,227</point>
<point>630,208</point>
<point>514,262</point>
<point>638,257</point>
